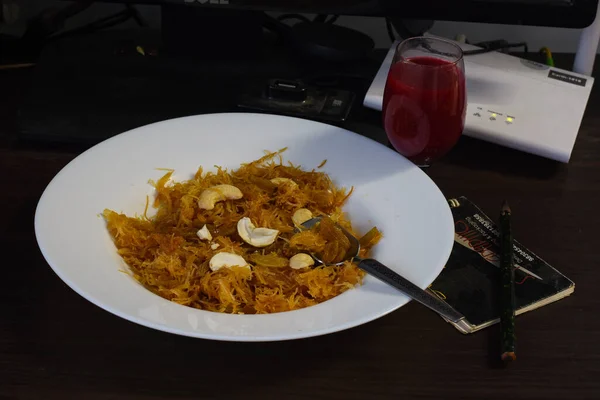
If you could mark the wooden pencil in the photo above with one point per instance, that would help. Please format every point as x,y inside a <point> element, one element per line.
<point>507,304</point>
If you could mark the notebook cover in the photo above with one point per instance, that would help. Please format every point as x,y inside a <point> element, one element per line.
<point>471,278</point>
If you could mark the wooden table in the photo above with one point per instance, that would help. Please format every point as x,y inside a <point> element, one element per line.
<point>56,345</point>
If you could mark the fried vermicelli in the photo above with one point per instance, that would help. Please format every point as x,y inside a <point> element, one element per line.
<point>250,217</point>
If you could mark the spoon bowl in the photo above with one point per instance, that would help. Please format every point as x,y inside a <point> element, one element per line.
<point>351,254</point>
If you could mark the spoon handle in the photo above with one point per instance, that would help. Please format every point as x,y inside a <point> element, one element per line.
<point>383,273</point>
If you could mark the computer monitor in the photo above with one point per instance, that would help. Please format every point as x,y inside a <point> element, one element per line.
<point>557,13</point>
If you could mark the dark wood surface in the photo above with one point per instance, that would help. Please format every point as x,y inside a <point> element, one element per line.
<point>56,345</point>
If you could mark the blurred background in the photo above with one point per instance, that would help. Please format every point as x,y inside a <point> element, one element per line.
<point>16,14</point>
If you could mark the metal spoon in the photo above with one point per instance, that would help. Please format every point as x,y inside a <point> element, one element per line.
<point>383,273</point>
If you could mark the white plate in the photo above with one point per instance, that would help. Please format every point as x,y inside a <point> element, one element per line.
<point>390,192</point>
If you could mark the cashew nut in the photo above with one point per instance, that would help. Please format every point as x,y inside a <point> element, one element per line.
<point>283,181</point>
<point>209,197</point>
<point>301,216</point>
<point>301,260</point>
<point>204,234</point>
<point>227,260</point>
<point>257,237</point>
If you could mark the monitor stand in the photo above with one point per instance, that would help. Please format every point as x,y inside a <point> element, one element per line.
<point>209,33</point>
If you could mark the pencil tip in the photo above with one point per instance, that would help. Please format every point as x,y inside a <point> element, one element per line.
<point>505,207</point>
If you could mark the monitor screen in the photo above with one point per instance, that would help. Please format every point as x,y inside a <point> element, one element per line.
<point>558,13</point>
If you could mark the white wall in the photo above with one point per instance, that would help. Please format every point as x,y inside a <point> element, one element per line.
<point>558,40</point>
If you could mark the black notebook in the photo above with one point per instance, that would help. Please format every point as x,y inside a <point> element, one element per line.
<point>470,281</point>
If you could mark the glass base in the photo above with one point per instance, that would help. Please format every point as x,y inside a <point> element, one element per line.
<point>423,166</point>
